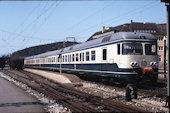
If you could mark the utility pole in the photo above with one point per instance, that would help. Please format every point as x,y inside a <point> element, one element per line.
<point>167,50</point>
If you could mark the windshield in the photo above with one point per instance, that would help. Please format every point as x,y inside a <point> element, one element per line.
<point>150,49</point>
<point>132,49</point>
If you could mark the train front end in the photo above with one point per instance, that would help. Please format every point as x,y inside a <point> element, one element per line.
<point>139,56</point>
<point>143,60</point>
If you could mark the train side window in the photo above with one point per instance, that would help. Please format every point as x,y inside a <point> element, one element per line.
<point>87,56</point>
<point>118,49</point>
<point>93,55</point>
<point>65,58</point>
<point>53,59</point>
<point>77,58</point>
<point>73,57</point>
<point>104,54</point>
<point>82,56</point>
<point>70,57</point>
<point>59,58</point>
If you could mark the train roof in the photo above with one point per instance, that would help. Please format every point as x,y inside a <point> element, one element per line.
<point>100,40</point>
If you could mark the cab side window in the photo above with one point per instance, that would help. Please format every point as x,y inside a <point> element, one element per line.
<point>118,49</point>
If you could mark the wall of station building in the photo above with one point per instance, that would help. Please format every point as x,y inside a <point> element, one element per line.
<point>161,49</point>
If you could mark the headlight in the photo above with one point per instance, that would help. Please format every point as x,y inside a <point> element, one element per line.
<point>134,64</point>
<point>154,64</point>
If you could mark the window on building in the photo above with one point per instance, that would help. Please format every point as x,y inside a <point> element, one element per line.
<point>159,58</point>
<point>160,38</point>
<point>87,56</point>
<point>160,48</point>
<point>104,54</point>
<point>93,55</point>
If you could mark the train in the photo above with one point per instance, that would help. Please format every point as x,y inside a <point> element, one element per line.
<point>129,57</point>
<point>2,63</point>
<point>16,63</point>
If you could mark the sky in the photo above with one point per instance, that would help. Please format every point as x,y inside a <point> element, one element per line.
<point>30,23</point>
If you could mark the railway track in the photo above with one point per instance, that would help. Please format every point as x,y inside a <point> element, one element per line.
<point>75,100</point>
<point>150,96</point>
<point>146,88</point>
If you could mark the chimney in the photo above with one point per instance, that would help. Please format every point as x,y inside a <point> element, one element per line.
<point>103,29</point>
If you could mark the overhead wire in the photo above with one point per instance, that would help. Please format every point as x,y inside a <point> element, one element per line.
<point>19,35</point>
<point>24,36</point>
<point>86,18</point>
<point>46,18</point>
<point>25,20</point>
<point>136,10</point>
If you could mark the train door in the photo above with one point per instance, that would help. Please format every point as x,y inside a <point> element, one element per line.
<point>60,63</point>
<point>104,59</point>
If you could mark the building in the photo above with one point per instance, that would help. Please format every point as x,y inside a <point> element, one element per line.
<point>158,30</point>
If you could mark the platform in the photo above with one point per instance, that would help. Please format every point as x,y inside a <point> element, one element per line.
<point>62,78</point>
<point>15,100</point>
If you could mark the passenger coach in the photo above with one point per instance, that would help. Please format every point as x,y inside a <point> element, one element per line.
<point>127,55</point>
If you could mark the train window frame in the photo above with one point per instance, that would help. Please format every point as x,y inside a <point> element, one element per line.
<point>93,55</point>
<point>133,52</point>
<point>153,49</point>
<point>65,58</point>
<point>77,57</point>
<point>83,56</point>
<point>118,49</point>
<point>87,56</point>
<point>80,56</point>
<point>69,58</point>
<point>104,54</point>
<point>73,58</point>
<point>59,58</point>
<point>53,59</point>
